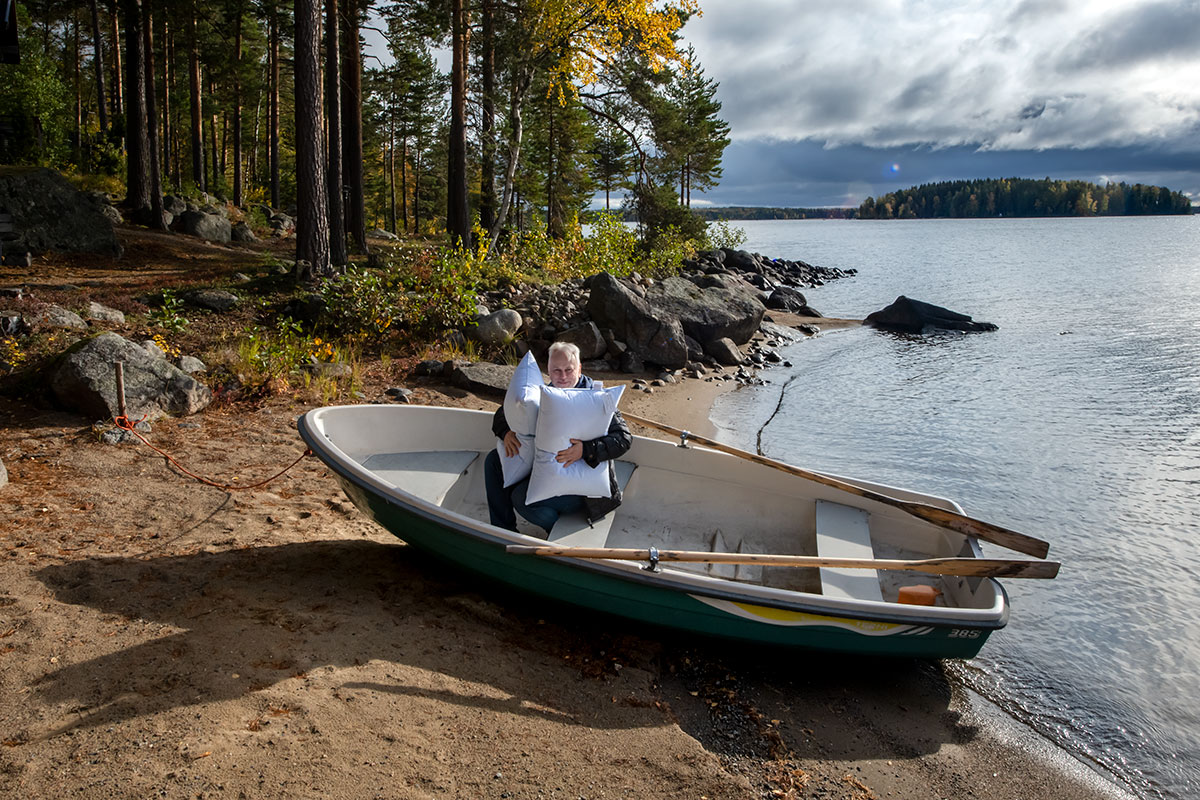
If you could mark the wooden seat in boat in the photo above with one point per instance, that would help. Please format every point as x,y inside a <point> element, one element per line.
<point>428,475</point>
<point>844,532</point>
<point>574,530</point>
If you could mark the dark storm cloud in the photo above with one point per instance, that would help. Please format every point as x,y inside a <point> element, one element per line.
<point>1151,32</point>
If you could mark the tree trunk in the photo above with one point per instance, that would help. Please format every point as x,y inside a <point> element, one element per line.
<point>273,113</point>
<point>404,182</point>
<point>156,198</point>
<point>198,171</point>
<point>516,129</point>
<point>78,92</point>
<point>312,222</point>
<point>458,222</point>
<point>487,134</point>
<point>391,165</point>
<point>98,64</point>
<point>333,121</point>
<point>237,107</point>
<point>215,184</point>
<point>137,195</point>
<point>170,147</point>
<point>118,74</point>
<point>352,128</point>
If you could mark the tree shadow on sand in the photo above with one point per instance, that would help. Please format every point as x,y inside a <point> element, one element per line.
<point>215,626</point>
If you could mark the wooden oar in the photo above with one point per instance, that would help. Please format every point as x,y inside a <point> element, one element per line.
<point>972,567</point>
<point>941,517</point>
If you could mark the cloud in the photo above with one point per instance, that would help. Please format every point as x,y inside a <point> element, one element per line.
<point>1045,74</point>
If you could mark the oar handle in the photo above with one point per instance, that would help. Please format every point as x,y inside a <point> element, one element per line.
<point>970,567</point>
<point>943,518</point>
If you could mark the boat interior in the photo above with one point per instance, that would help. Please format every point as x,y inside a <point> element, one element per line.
<point>690,499</point>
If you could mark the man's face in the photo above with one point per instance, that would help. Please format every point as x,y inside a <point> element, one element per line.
<point>564,371</point>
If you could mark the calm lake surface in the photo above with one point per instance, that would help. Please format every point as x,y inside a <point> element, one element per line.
<point>1078,422</point>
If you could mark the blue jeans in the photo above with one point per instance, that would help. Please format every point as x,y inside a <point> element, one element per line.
<point>504,504</point>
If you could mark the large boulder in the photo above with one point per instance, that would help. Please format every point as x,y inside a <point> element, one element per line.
<point>212,227</point>
<point>725,352</point>
<point>587,338</point>
<point>212,299</point>
<point>86,382</point>
<point>906,315</point>
<point>785,298</point>
<point>499,327</point>
<point>482,378</point>
<point>50,214</point>
<point>654,335</point>
<point>707,314</point>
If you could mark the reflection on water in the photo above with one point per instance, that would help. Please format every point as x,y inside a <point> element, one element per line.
<point>1078,421</point>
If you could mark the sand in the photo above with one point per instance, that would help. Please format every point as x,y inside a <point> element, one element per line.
<point>163,638</point>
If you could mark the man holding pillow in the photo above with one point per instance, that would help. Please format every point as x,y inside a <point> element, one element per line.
<point>504,503</point>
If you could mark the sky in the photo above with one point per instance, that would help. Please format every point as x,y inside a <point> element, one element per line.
<point>830,103</point>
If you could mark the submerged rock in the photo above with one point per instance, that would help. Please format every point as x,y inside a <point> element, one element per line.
<point>906,315</point>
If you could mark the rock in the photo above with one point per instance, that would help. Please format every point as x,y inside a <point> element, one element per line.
<point>59,317</point>
<point>430,367</point>
<point>710,313</point>
<point>112,214</point>
<point>105,314</point>
<point>50,214</point>
<point>482,378</point>
<point>174,205</point>
<point>85,381</point>
<point>212,299</point>
<point>242,277</point>
<point>914,316</point>
<point>191,365</point>
<point>151,347</point>
<point>387,236</point>
<point>3,475</point>
<point>587,338</point>
<point>779,332</point>
<point>725,352</point>
<point>212,227</point>
<point>498,328</point>
<point>785,298</point>
<point>655,336</point>
<point>631,362</point>
<point>13,324</point>
<point>242,233</point>
<point>399,394</point>
<point>741,260</point>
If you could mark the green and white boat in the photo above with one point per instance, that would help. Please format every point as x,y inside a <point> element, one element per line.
<point>418,472</point>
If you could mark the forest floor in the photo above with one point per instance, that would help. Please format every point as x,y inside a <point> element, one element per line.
<point>164,638</point>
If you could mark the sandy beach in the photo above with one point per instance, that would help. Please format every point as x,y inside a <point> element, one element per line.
<point>160,637</point>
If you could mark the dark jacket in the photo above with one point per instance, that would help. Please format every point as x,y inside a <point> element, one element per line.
<point>608,447</point>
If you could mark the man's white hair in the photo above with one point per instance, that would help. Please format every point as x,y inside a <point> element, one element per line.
<point>568,349</point>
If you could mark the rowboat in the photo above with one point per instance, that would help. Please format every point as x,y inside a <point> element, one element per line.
<point>418,472</point>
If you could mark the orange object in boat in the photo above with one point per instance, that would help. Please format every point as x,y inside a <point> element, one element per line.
<point>918,595</point>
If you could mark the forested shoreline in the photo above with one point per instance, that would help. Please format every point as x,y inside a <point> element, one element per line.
<point>1024,197</point>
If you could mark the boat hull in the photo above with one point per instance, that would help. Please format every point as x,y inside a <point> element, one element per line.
<point>648,599</point>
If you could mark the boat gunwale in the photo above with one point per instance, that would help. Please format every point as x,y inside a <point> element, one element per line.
<point>667,579</point>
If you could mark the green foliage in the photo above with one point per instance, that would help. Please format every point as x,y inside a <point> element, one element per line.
<point>269,360</point>
<point>169,314</point>
<point>1023,197</point>
<point>35,98</point>
<point>662,219</point>
<point>722,234</point>
<point>362,302</point>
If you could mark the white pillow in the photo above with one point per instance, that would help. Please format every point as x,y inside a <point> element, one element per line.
<point>566,414</point>
<point>519,466</point>
<point>521,399</point>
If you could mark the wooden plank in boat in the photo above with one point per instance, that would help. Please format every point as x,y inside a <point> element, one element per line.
<point>428,475</point>
<point>573,530</point>
<point>843,532</point>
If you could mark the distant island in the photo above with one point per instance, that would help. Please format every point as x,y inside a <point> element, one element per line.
<point>1024,197</point>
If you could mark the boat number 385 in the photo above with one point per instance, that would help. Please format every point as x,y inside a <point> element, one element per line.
<point>960,633</point>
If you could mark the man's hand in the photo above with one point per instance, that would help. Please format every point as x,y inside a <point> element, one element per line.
<point>571,454</point>
<point>512,445</point>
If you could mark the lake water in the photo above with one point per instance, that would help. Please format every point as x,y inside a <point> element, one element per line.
<point>1077,422</point>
